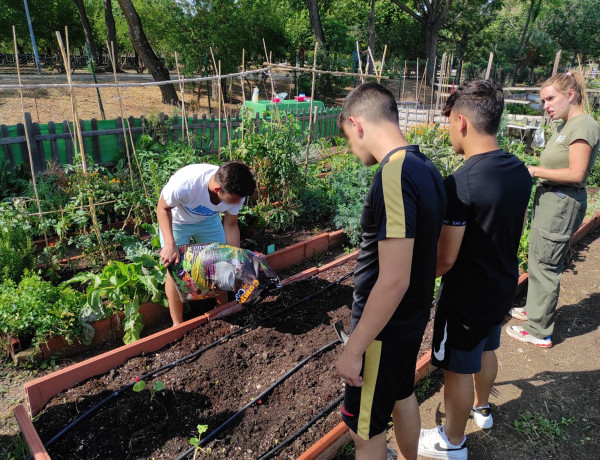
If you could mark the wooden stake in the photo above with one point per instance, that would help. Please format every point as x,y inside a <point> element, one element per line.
<point>417,84</point>
<point>312,100</point>
<point>556,62</point>
<point>243,91</point>
<point>382,62</point>
<point>489,67</point>
<point>67,62</point>
<point>362,78</point>
<point>27,139</point>
<point>184,129</point>
<point>403,80</point>
<point>112,57</point>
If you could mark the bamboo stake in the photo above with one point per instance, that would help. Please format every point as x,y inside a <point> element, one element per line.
<point>184,123</point>
<point>270,64</point>
<point>373,66</point>
<point>219,103</point>
<point>112,57</point>
<point>67,62</point>
<point>113,60</point>
<point>312,100</point>
<point>433,86</point>
<point>417,83</point>
<point>27,139</point>
<point>382,62</point>
<point>403,80</point>
<point>424,83</point>
<point>243,91</point>
<point>489,67</point>
<point>362,78</point>
<point>556,62</point>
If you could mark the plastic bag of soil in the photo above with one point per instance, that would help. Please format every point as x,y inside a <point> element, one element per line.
<point>205,269</point>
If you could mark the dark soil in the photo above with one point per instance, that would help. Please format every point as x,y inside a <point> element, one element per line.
<point>207,391</point>
<point>261,240</point>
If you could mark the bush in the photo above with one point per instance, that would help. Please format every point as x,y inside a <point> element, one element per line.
<point>37,309</point>
<point>16,250</point>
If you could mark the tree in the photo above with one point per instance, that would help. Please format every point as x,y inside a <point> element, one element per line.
<point>371,67</point>
<point>432,14</point>
<point>155,65</point>
<point>532,15</point>
<point>87,28</point>
<point>315,21</point>
<point>111,29</point>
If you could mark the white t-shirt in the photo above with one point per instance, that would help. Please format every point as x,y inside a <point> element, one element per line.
<point>187,193</point>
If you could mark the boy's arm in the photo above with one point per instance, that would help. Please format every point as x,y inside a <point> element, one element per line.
<point>169,254</point>
<point>448,246</point>
<point>395,260</point>
<point>232,230</point>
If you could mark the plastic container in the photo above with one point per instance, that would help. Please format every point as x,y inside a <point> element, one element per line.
<point>255,95</point>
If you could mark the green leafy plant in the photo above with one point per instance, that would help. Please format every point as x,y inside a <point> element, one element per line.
<point>124,286</point>
<point>16,251</point>
<point>538,428</point>
<point>195,441</point>
<point>36,309</point>
<point>157,386</point>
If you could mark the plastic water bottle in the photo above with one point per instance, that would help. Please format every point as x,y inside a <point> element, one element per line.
<point>255,95</point>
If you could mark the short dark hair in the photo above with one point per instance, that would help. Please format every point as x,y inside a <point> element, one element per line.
<point>235,178</point>
<point>371,101</point>
<point>482,101</point>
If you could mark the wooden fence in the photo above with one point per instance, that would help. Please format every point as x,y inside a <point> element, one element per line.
<point>104,141</point>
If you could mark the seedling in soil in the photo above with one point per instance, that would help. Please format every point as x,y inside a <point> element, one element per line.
<point>196,441</point>
<point>156,386</point>
<point>536,427</point>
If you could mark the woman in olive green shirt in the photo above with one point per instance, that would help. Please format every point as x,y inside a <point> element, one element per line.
<point>560,202</point>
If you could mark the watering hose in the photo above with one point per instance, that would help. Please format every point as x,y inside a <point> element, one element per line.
<point>284,377</point>
<point>302,429</point>
<point>189,357</point>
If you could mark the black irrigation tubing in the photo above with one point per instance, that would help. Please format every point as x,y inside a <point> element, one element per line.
<point>283,378</point>
<point>191,356</point>
<point>302,429</point>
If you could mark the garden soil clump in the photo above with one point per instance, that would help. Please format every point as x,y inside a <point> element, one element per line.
<point>210,389</point>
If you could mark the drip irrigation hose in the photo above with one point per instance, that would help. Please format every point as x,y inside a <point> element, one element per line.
<point>197,353</point>
<point>283,378</point>
<point>302,429</point>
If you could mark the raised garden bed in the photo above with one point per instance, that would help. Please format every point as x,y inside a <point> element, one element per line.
<point>50,383</point>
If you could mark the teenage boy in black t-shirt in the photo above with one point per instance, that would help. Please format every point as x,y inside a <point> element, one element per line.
<point>477,254</point>
<point>394,275</point>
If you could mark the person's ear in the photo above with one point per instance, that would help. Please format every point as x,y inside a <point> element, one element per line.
<point>218,188</point>
<point>571,95</point>
<point>461,123</point>
<point>357,126</point>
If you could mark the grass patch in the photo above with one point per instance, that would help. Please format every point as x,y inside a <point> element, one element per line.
<point>541,429</point>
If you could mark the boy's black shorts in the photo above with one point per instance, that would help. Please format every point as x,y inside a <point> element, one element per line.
<point>388,376</point>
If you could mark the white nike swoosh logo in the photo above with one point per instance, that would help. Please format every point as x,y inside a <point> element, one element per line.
<point>439,355</point>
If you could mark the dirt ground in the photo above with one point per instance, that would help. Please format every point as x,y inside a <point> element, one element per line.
<point>557,386</point>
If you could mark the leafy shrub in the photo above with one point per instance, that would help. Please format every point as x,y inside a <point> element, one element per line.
<point>16,250</point>
<point>35,308</point>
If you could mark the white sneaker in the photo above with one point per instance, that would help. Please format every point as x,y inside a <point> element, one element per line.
<point>482,416</point>
<point>518,313</point>
<point>520,334</point>
<point>434,444</point>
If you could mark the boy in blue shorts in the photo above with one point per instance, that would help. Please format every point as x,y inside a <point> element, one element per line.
<point>477,254</point>
<point>189,206</point>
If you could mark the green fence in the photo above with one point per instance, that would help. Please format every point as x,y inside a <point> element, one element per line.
<point>105,140</point>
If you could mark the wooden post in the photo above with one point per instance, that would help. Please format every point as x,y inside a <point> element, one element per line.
<point>67,62</point>
<point>556,62</point>
<point>27,136</point>
<point>382,62</point>
<point>489,67</point>
<point>417,84</point>
<point>111,54</point>
<point>243,91</point>
<point>403,80</point>
<point>312,101</point>
<point>184,129</point>
<point>362,78</point>
<point>433,85</point>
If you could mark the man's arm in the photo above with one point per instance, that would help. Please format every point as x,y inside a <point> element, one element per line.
<point>170,253</point>
<point>232,230</point>
<point>395,260</point>
<point>448,246</point>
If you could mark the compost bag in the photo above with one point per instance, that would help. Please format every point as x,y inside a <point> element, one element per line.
<point>204,269</point>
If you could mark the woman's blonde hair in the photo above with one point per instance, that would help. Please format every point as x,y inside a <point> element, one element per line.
<point>572,79</point>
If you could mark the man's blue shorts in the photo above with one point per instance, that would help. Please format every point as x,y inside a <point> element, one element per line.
<point>209,230</point>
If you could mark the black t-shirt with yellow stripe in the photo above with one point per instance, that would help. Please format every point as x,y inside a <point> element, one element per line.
<point>406,200</point>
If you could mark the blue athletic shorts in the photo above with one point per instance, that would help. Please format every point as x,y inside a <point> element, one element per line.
<point>444,356</point>
<point>209,230</point>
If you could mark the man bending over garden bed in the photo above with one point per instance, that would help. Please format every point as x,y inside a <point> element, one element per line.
<point>189,206</point>
<point>394,276</point>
